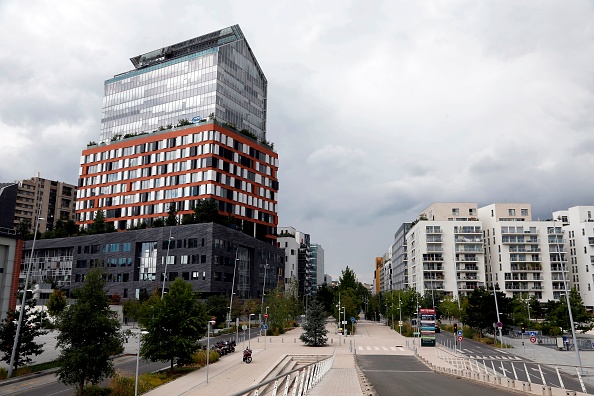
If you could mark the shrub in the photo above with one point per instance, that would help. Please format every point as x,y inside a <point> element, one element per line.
<point>199,358</point>
<point>3,373</point>
<point>94,390</point>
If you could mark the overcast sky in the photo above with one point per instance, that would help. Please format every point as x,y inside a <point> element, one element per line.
<point>376,108</point>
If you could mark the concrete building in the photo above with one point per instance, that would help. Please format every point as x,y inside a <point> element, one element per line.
<point>578,224</point>
<point>207,255</point>
<point>10,264</point>
<point>445,250</point>
<point>54,199</point>
<point>317,264</point>
<point>400,258</point>
<point>144,165</point>
<point>297,247</point>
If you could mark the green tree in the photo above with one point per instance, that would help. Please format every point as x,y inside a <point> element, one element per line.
<point>347,281</point>
<point>99,226</point>
<point>23,228</point>
<point>449,308</point>
<point>206,211</point>
<point>559,316</point>
<point>130,309</point>
<point>30,329</point>
<point>171,215</point>
<point>480,313</point>
<point>315,332</point>
<point>89,335</point>
<point>217,306</point>
<point>175,324</point>
<point>57,303</point>
<point>325,295</point>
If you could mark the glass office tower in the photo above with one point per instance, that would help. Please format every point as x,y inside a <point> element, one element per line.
<point>214,74</point>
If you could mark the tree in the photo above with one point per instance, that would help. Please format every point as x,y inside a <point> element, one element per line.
<point>98,226</point>
<point>23,228</point>
<point>206,211</point>
<point>131,308</point>
<point>480,312</point>
<point>171,215</point>
<point>175,324</point>
<point>315,332</point>
<point>559,316</point>
<point>57,303</point>
<point>218,306</point>
<point>347,281</point>
<point>30,329</point>
<point>89,335</point>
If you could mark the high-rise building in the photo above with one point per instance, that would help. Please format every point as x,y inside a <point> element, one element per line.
<point>400,258</point>
<point>22,200</point>
<point>188,123</point>
<point>317,264</point>
<point>297,247</point>
<point>216,73</point>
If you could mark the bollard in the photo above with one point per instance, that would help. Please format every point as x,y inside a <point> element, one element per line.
<point>546,391</point>
<point>569,393</point>
<point>510,383</point>
<point>294,340</point>
<point>282,340</point>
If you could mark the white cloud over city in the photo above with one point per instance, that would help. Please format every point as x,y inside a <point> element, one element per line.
<point>377,109</point>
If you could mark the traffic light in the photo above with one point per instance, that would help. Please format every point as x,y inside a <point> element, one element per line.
<point>523,329</point>
<point>455,327</point>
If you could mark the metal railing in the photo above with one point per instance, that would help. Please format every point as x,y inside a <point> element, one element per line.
<point>297,382</point>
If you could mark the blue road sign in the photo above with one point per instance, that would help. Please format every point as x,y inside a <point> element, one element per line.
<point>265,327</point>
<point>532,334</point>
<point>352,320</point>
<point>499,325</point>
<point>459,332</point>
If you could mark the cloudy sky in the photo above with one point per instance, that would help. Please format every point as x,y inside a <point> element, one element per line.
<point>376,108</point>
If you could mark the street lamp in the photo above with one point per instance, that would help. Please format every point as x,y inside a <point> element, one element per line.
<point>577,352</point>
<point>166,262</point>
<point>250,330</point>
<point>400,312</point>
<point>344,319</point>
<point>210,322</point>
<point>22,313</point>
<point>528,306</point>
<point>140,332</point>
<point>233,286</point>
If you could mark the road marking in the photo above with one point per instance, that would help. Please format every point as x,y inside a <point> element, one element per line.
<point>376,348</point>
<point>360,348</point>
<point>369,348</point>
<point>392,348</point>
<point>384,348</point>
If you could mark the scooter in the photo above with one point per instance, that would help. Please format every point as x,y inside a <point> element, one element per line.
<point>247,355</point>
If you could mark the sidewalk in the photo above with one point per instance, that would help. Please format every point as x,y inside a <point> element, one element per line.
<point>230,375</point>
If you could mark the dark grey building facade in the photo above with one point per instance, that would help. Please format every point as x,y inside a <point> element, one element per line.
<point>207,255</point>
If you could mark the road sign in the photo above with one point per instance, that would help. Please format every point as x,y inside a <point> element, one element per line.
<point>532,334</point>
<point>265,316</point>
<point>352,320</point>
<point>265,327</point>
<point>344,322</point>
<point>533,339</point>
<point>399,323</point>
<point>460,338</point>
<point>499,325</point>
<point>460,332</point>
<point>244,327</point>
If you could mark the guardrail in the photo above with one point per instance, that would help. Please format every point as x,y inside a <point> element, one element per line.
<point>470,368</point>
<point>297,382</point>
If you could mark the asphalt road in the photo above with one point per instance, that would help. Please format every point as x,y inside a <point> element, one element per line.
<point>512,366</point>
<point>405,375</point>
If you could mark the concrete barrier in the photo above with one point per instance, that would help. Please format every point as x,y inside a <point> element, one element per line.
<point>546,391</point>
<point>570,393</point>
<point>497,380</point>
<point>511,383</point>
<point>526,387</point>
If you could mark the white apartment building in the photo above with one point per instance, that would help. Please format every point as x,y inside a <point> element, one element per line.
<point>524,257</point>
<point>578,222</point>
<point>445,250</point>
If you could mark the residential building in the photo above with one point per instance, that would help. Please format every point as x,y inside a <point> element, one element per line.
<point>525,258</point>
<point>297,247</point>
<point>20,201</point>
<point>209,256</point>
<point>377,275</point>
<point>317,264</point>
<point>445,250</point>
<point>144,166</point>
<point>400,258</point>
<point>578,224</point>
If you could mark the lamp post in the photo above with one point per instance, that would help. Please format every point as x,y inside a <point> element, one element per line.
<point>250,331</point>
<point>210,322</point>
<point>392,312</point>
<point>344,319</point>
<point>528,306</point>
<point>140,332</point>
<point>266,322</point>
<point>263,293</point>
<point>233,286</point>
<point>400,312</point>
<point>166,262</point>
<point>22,313</point>
<point>577,351</point>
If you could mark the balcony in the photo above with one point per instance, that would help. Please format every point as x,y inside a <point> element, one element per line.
<point>467,277</point>
<point>468,230</point>
<point>591,240</point>
<point>467,268</point>
<point>467,248</point>
<point>522,249</point>
<point>527,267</point>
<point>432,257</point>
<point>467,258</point>
<point>434,248</point>
<point>433,277</point>
<point>432,267</point>
<point>518,230</point>
<point>434,239</point>
<point>468,240</point>
<point>517,286</point>
<point>432,230</point>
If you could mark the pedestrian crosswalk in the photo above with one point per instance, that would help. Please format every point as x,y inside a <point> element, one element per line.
<point>381,348</point>
<point>494,357</point>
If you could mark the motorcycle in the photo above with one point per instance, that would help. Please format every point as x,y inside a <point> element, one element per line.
<point>247,355</point>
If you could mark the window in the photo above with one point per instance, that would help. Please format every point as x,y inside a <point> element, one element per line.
<point>183,259</point>
<point>455,211</point>
<point>512,212</point>
<point>524,212</point>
